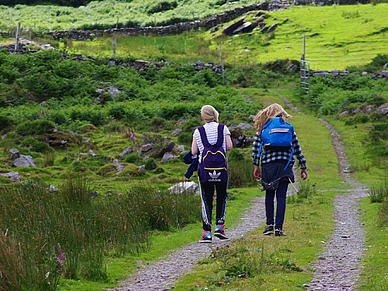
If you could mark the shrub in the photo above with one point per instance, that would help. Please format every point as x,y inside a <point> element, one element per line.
<point>150,164</point>
<point>185,137</point>
<point>35,127</point>
<point>358,118</point>
<point>235,155</point>
<point>107,170</point>
<point>117,111</point>
<point>35,145</point>
<point>132,158</point>
<point>5,122</point>
<point>240,174</point>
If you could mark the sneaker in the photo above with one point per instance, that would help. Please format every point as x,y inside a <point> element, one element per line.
<point>279,232</point>
<point>268,230</point>
<point>220,232</point>
<point>206,237</point>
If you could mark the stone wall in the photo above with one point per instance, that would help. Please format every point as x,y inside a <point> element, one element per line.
<point>177,28</point>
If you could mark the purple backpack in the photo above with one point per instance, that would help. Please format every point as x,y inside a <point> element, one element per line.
<point>213,167</point>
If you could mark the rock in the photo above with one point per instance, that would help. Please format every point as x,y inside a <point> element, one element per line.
<point>125,152</point>
<point>186,186</point>
<point>146,147</point>
<point>52,188</point>
<point>14,154</point>
<point>24,161</point>
<point>168,156</point>
<point>383,109</point>
<point>244,28</point>
<point>13,176</point>
<point>232,27</point>
<point>165,149</point>
<point>176,132</point>
<point>119,167</point>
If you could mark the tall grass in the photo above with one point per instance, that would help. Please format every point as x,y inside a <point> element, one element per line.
<point>379,194</point>
<point>46,236</point>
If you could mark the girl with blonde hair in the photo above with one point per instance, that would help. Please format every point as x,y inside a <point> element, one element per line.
<point>266,114</point>
<point>209,116</point>
<point>276,169</point>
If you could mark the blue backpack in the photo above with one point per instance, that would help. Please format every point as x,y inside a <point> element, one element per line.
<point>277,133</point>
<point>213,167</point>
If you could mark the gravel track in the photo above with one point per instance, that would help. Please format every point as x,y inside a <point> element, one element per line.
<point>337,268</point>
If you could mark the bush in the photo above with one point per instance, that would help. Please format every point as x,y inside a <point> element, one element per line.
<point>35,145</point>
<point>132,158</point>
<point>185,137</point>
<point>35,127</point>
<point>5,122</point>
<point>150,164</point>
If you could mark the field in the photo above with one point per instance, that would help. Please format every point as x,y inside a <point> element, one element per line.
<point>91,217</point>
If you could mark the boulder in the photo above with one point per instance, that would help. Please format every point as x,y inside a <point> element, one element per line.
<point>186,186</point>
<point>13,176</point>
<point>24,161</point>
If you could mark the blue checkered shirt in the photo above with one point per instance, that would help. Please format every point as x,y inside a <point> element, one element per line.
<point>272,155</point>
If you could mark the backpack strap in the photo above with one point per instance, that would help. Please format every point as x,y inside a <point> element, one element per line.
<point>204,139</point>
<point>202,132</point>
<point>290,158</point>
<point>220,139</point>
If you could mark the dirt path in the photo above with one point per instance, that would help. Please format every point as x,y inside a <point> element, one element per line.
<point>337,268</point>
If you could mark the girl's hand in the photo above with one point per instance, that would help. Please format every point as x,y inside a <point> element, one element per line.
<point>256,173</point>
<point>303,174</point>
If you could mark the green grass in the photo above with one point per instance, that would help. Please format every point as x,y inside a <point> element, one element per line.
<point>360,37</point>
<point>108,13</point>
<point>368,169</point>
<point>161,244</point>
<point>329,46</point>
<point>374,275</point>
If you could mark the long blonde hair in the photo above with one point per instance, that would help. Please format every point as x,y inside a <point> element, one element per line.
<point>268,113</point>
<point>209,113</point>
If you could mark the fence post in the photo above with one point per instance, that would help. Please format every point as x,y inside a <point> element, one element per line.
<point>114,47</point>
<point>17,37</point>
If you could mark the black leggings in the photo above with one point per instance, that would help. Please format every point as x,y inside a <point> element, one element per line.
<point>207,195</point>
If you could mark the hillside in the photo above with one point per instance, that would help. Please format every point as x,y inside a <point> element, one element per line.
<point>336,37</point>
<point>92,142</point>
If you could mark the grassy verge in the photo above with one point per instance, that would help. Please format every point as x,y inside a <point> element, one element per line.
<point>161,245</point>
<point>375,273</point>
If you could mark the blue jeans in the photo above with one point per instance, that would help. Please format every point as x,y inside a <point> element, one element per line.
<point>281,194</point>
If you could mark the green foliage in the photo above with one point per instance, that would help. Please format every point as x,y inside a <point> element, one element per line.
<point>240,171</point>
<point>35,145</point>
<point>35,127</point>
<point>36,227</point>
<point>379,194</point>
<point>377,139</point>
<point>132,158</point>
<point>330,96</point>
<point>150,164</point>
<point>5,122</point>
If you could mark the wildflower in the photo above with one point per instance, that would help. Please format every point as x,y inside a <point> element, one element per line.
<point>61,258</point>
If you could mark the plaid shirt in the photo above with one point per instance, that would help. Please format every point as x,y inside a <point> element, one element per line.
<point>271,155</point>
